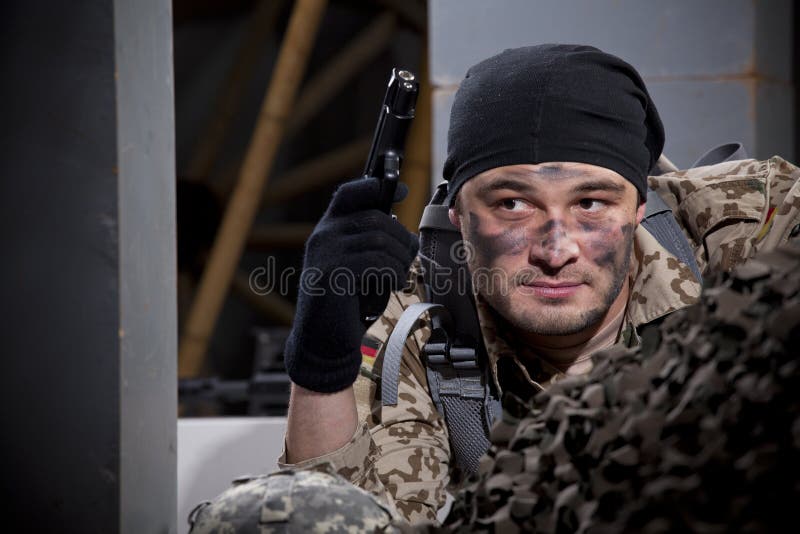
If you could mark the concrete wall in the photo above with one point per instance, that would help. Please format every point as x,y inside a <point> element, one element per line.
<point>87,222</point>
<point>718,70</point>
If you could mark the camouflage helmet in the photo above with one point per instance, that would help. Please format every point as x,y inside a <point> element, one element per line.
<point>291,501</point>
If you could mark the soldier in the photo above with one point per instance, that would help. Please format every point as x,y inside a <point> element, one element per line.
<point>549,151</point>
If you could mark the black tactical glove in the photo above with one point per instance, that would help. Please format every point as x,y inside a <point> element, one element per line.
<point>323,351</point>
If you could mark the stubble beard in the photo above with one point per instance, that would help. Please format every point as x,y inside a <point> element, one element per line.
<point>555,319</point>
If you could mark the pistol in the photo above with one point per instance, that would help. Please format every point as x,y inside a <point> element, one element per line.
<point>388,142</point>
<point>385,158</point>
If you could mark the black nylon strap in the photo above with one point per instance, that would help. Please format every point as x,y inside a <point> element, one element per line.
<point>460,389</point>
<point>468,440</point>
<point>436,218</point>
<point>720,153</point>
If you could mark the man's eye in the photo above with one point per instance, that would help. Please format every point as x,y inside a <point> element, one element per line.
<point>512,204</point>
<point>591,204</point>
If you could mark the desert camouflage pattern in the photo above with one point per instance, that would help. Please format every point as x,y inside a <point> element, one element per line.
<point>289,502</point>
<point>401,453</point>
<point>695,430</point>
<point>731,210</point>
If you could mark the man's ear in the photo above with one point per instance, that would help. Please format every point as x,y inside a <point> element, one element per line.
<point>640,213</point>
<point>452,214</point>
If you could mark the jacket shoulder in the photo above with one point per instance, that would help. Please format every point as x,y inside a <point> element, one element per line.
<point>730,210</point>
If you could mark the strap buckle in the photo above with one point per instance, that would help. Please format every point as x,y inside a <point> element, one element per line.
<point>455,366</point>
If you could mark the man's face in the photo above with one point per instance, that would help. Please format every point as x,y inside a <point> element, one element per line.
<point>549,244</point>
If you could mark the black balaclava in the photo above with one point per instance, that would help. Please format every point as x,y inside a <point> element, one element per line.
<point>549,103</point>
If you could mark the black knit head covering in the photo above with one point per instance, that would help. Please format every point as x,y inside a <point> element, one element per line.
<point>550,103</point>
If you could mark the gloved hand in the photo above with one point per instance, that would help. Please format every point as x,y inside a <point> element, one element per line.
<point>323,351</point>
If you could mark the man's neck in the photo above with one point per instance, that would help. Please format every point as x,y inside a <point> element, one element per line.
<point>563,352</point>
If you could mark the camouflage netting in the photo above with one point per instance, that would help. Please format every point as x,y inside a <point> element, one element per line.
<point>698,430</point>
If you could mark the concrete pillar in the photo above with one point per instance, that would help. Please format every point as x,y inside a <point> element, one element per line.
<point>718,70</point>
<point>87,219</point>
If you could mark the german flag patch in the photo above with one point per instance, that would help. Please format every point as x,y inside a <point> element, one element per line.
<point>767,225</point>
<point>369,349</point>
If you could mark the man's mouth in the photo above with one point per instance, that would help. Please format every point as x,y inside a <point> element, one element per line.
<point>551,290</point>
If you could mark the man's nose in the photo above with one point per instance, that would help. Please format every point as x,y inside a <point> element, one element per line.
<point>554,247</point>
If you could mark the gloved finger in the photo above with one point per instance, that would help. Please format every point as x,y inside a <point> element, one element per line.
<point>357,195</point>
<point>359,222</point>
<point>383,264</point>
<point>400,235</point>
<point>374,247</point>
<point>371,223</point>
<point>352,277</point>
<point>363,222</point>
<point>400,193</point>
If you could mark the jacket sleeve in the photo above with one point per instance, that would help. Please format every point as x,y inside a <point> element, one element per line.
<point>399,453</point>
<point>734,209</point>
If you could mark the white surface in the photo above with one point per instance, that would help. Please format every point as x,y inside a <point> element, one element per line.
<point>213,451</point>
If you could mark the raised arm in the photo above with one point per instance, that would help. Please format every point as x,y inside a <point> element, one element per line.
<point>355,246</point>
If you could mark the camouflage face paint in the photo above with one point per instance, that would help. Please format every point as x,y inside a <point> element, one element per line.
<point>589,227</point>
<point>510,242</point>
<point>604,250</point>
<point>549,169</point>
<point>552,234</point>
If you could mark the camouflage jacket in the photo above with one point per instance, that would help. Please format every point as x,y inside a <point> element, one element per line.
<point>401,453</point>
